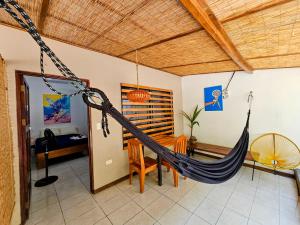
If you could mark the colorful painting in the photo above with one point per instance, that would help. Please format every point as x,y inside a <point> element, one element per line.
<point>213,98</point>
<point>57,109</point>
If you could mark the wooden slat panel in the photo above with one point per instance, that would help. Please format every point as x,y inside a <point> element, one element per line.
<point>153,124</point>
<point>151,130</point>
<point>124,97</point>
<point>160,135</point>
<point>150,92</point>
<point>146,109</point>
<point>147,103</point>
<point>148,114</point>
<point>145,87</point>
<point>155,116</point>
<point>152,119</point>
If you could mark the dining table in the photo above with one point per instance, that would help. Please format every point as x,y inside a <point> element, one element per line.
<point>166,141</point>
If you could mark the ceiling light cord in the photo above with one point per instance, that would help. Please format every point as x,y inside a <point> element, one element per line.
<point>137,68</point>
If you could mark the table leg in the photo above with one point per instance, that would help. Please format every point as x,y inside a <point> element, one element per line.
<point>159,172</point>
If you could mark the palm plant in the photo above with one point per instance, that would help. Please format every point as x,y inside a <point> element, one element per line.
<point>192,118</point>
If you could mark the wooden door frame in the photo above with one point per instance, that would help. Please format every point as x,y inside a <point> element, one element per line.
<point>19,75</point>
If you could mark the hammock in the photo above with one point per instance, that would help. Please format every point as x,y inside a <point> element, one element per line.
<point>204,171</point>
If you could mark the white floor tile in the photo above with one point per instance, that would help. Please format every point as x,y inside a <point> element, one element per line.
<point>264,214</point>
<point>90,217</point>
<point>141,218</point>
<point>229,217</point>
<point>220,195</point>
<point>104,221</point>
<point>177,215</point>
<point>209,210</point>
<point>68,200</point>
<point>191,200</point>
<point>125,213</point>
<point>195,220</point>
<point>240,203</point>
<point>147,197</point>
<point>74,212</point>
<point>159,207</point>
<point>114,203</point>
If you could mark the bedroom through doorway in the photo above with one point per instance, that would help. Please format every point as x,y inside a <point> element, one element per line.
<point>69,152</point>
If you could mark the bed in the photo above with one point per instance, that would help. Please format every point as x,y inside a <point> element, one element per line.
<point>68,141</point>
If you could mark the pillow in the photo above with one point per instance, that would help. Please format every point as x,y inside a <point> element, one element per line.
<point>55,130</point>
<point>69,130</point>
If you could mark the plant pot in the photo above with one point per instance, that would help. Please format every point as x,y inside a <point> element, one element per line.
<point>192,140</point>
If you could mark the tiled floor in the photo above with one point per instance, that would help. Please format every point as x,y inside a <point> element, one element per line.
<point>268,200</point>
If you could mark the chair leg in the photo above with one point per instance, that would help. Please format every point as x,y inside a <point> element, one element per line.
<point>175,176</point>
<point>142,181</point>
<point>130,176</point>
<point>168,169</point>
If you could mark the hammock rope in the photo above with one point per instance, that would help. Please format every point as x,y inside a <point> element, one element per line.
<point>204,171</point>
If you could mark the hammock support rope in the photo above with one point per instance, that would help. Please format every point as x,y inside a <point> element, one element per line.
<point>203,171</point>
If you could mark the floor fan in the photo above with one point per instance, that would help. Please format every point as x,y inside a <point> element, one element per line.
<point>49,139</point>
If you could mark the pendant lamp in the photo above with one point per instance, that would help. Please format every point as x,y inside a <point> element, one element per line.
<point>138,95</point>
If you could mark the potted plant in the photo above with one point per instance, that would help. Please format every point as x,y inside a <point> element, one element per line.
<point>192,119</point>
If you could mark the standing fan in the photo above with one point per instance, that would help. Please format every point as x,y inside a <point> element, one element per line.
<point>49,140</point>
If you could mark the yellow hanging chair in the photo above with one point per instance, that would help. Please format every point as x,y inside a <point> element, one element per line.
<point>275,151</point>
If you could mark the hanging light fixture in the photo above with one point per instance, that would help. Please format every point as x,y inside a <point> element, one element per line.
<point>138,95</point>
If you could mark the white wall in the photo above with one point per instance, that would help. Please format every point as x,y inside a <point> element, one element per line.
<point>36,90</point>
<point>104,72</point>
<point>276,105</point>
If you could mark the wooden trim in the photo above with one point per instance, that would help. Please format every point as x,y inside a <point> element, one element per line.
<point>203,14</point>
<point>19,74</point>
<point>258,8</point>
<point>110,184</point>
<point>44,10</point>
<point>58,153</point>
<point>20,148</point>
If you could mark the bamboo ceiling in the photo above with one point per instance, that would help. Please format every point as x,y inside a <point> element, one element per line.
<point>266,33</point>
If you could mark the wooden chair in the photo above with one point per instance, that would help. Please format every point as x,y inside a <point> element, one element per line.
<point>138,163</point>
<point>179,147</point>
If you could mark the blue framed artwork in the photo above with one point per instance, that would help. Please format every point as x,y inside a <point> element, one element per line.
<point>57,109</point>
<point>213,98</point>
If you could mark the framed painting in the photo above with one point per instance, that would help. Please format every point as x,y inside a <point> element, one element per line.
<point>213,98</point>
<point>57,109</point>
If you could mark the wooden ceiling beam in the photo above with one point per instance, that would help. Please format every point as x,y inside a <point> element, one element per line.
<point>258,8</point>
<point>43,15</point>
<point>203,14</point>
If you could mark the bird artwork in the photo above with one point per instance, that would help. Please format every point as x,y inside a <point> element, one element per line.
<point>213,98</point>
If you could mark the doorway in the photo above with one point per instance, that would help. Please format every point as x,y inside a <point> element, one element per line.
<point>31,158</point>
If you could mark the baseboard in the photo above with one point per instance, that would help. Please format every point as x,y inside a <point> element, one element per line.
<point>110,184</point>
<point>280,173</point>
